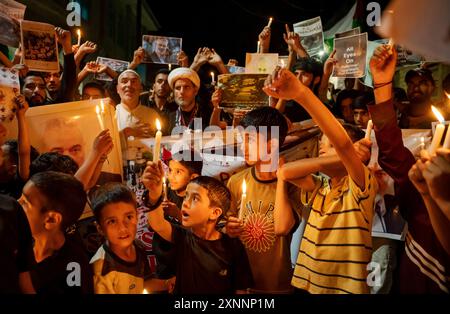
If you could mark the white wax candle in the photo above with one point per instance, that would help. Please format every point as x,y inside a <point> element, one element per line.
<point>447,138</point>
<point>79,37</point>
<point>243,197</point>
<point>369,129</point>
<point>99,117</point>
<point>213,79</point>
<point>157,147</point>
<point>438,133</point>
<point>270,22</point>
<point>170,67</point>
<point>258,47</point>
<point>422,143</point>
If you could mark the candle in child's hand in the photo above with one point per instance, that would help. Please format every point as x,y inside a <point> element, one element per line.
<point>213,79</point>
<point>447,138</point>
<point>270,22</point>
<point>79,36</point>
<point>243,197</point>
<point>99,117</point>
<point>369,129</point>
<point>157,147</point>
<point>438,133</point>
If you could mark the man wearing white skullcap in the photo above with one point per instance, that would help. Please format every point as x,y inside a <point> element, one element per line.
<point>185,84</point>
<point>133,119</point>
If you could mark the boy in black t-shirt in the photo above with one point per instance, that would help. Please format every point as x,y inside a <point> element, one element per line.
<point>53,202</point>
<point>212,262</point>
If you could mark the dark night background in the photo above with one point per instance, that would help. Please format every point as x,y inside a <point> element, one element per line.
<point>232,26</point>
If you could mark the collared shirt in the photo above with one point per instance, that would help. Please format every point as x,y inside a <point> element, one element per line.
<point>129,118</point>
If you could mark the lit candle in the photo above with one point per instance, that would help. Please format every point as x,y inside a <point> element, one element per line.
<point>99,117</point>
<point>283,65</point>
<point>258,47</point>
<point>447,138</point>
<point>243,197</point>
<point>270,22</point>
<point>438,133</point>
<point>170,67</point>
<point>369,129</point>
<point>157,147</point>
<point>391,45</point>
<point>145,291</point>
<point>213,79</point>
<point>164,188</point>
<point>79,36</point>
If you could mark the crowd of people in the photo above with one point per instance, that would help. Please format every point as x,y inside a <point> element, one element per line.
<point>210,237</point>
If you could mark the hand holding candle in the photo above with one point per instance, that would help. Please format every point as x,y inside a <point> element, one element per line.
<point>438,133</point>
<point>213,79</point>
<point>157,147</point>
<point>270,22</point>
<point>243,198</point>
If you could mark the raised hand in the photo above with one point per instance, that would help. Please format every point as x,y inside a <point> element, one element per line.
<point>382,64</point>
<point>65,39</point>
<point>152,179</point>
<point>362,148</point>
<point>329,64</point>
<point>233,227</point>
<point>138,57</point>
<point>216,97</point>
<point>103,143</point>
<point>183,60</point>
<point>264,38</point>
<point>283,84</point>
<point>87,47</point>
<point>203,55</point>
<point>22,105</point>
<point>214,58</point>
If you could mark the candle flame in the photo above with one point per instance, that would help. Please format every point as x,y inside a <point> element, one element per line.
<point>282,63</point>
<point>244,187</point>
<point>437,114</point>
<point>78,32</point>
<point>447,94</point>
<point>145,291</point>
<point>212,74</point>
<point>158,125</point>
<point>97,109</point>
<point>164,179</point>
<point>103,106</point>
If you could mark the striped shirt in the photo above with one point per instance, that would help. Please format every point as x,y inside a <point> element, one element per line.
<point>337,244</point>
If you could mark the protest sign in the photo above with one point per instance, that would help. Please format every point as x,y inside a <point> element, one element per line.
<point>9,31</point>
<point>353,31</point>
<point>162,50</point>
<point>311,35</point>
<point>9,88</point>
<point>260,63</point>
<point>116,65</point>
<point>351,56</point>
<point>13,9</point>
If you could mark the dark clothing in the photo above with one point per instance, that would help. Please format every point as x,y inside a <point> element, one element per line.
<point>54,274</point>
<point>424,264</point>
<point>13,188</point>
<point>164,113</point>
<point>165,253</point>
<point>16,245</point>
<point>210,267</point>
<point>187,119</point>
<point>295,112</point>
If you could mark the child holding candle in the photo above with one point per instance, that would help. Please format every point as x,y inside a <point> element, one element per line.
<point>120,265</point>
<point>210,262</point>
<point>337,244</point>
<point>269,254</point>
<point>183,167</point>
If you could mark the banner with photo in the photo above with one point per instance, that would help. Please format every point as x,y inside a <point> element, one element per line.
<point>13,9</point>
<point>243,91</point>
<point>9,88</point>
<point>311,35</point>
<point>9,31</point>
<point>160,49</point>
<point>116,65</point>
<point>260,63</point>
<point>39,46</point>
<point>234,69</point>
<point>70,129</point>
<point>351,55</point>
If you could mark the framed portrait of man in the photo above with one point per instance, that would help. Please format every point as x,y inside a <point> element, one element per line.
<point>70,129</point>
<point>160,49</point>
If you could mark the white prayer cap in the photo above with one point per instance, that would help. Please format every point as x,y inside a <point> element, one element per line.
<point>128,71</point>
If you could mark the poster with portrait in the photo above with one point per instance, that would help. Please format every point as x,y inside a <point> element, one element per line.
<point>311,35</point>
<point>9,31</point>
<point>39,46</point>
<point>9,88</point>
<point>162,50</point>
<point>13,9</point>
<point>116,65</point>
<point>260,63</point>
<point>351,55</point>
<point>234,69</point>
<point>71,129</point>
<point>243,91</point>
